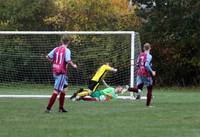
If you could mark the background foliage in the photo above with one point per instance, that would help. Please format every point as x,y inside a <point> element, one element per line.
<point>172,26</point>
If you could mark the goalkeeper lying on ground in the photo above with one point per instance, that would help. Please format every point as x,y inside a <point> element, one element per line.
<point>105,94</point>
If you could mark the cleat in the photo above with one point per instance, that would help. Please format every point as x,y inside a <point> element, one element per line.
<point>63,110</point>
<point>47,110</point>
<point>138,97</point>
<point>77,98</point>
<point>80,98</point>
<point>73,99</point>
<point>73,96</point>
<point>150,106</point>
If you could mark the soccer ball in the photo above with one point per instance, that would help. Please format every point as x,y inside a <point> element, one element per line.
<point>102,98</point>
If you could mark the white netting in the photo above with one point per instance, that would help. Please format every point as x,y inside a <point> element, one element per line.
<point>23,57</point>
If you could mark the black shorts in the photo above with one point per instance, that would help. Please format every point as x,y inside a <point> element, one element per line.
<point>93,85</point>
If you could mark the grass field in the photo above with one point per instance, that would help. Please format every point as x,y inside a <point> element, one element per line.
<point>176,113</point>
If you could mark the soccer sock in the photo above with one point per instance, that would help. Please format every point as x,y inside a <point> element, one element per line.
<point>133,90</point>
<point>52,100</point>
<point>149,95</point>
<point>89,99</point>
<point>140,86</point>
<point>61,100</point>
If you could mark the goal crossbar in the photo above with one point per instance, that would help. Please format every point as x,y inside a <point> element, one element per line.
<point>65,32</point>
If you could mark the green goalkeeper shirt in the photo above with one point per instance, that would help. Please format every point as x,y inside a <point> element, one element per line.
<point>104,92</point>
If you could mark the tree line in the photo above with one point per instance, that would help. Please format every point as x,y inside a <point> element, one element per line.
<point>171,26</point>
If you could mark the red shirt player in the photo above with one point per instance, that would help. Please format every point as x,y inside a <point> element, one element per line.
<point>144,73</point>
<point>60,57</point>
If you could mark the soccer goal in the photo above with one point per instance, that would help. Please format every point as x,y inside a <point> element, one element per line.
<point>23,61</point>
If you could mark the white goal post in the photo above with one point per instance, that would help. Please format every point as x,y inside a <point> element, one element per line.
<point>29,45</point>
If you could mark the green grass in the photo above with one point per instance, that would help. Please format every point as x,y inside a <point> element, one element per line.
<point>31,89</point>
<point>176,113</point>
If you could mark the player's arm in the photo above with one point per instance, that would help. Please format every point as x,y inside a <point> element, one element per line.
<point>148,66</point>
<point>105,84</point>
<point>110,68</point>
<point>138,62</point>
<point>49,59</point>
<point>68,59</point>
<point>72,64</point>
<point>50,55</point>
<point>114,70</point>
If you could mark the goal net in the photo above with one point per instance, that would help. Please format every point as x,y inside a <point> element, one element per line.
<point>23,61</point>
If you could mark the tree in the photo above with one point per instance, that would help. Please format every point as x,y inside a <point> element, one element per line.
<point>23,14</point>
<point>173,28</point>
<point>92,15</point>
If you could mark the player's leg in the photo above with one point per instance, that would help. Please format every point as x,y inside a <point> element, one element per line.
<point>139,87</point>
<point>83,93</point>
<point>149,95</point>
<point>133,89</point>
<point>52,100</point>
<point>64,88</point>
<point>140,84</point>
<point>149,90</point>
<point>75,94</point>
<point>89,99</point>
<point>93,85</point>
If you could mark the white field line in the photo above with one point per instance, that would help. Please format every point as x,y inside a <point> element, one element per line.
<point>67,96</point>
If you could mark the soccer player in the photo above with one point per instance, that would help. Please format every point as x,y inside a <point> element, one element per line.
<point>144,74</point>
<point>108,94</point>
<point>94,81</point>
<point>60,57</point>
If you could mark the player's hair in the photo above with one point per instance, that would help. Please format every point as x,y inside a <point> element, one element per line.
<point>65,41</point>
<point>108,63</point>
<point>147,46</point>
<point>119,86</point>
